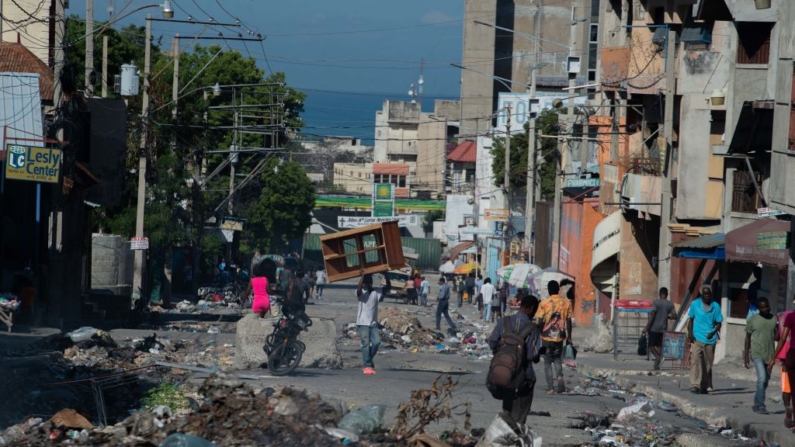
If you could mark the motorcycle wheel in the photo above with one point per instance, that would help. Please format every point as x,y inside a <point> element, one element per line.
<point>285,359</point>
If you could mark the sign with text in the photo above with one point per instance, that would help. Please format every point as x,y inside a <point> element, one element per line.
<point>33,164</point>
<point>583,183</point>
<point>520,108</point>
<point>383,200</point>
<point>409,220</point>
<point>499,229</point>
<point>496,214</point>
<point>768,212</point>
<point>774,240</point>
<point>139,243</point>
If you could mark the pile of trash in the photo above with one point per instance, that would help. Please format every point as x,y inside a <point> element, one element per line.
<point>206,305</point>
<point>95,348</point>
<point>231,414</point>
<point>9,302</point>
<point>403,332</point>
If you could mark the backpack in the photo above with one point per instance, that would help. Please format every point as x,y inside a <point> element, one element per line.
<point>642,345</point>
<point>509,364</point>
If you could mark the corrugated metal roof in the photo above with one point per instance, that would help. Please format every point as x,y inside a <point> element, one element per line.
<point>20,110</point>
<point>466,152</point>
<point>702,242</point>
<point>15,58</point>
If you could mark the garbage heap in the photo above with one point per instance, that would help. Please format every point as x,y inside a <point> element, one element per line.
<point>231,414</point>
<point>95,348</point>
<point>634,424</point>
<point>403,332</point>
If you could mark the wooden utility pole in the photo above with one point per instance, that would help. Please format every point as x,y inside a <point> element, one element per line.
<point>664,256</point>
<point>89,47</point>
<point>138,270</point>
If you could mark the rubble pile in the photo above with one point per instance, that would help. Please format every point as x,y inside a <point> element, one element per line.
<point>189,307</point>
<point>231,414</point>
<point>403,332</point>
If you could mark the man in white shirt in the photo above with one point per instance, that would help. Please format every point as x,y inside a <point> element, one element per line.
<point>425,290</point>
<point>488,295</point>
<point>367,319</point>
<point>320,282</point>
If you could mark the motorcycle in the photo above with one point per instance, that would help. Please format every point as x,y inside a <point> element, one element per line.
<point>282,346</point>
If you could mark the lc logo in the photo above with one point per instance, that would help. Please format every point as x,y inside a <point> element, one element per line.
<point>17,157</point>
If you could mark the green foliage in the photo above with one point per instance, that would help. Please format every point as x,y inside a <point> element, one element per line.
<point>430,216</point>
<point>165,394</point>
<point>546,124</point>
<point>282,212</point>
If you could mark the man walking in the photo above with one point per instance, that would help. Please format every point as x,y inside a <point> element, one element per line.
<point>703,327</point>
<point>442,307</point>
<point>662,311</point>
<point>367,319</point>
<point>320,282</point>
<point>425,289</point>
<point>518,406</point>
<point>554,319</point>
<point>760,343</point>
<point>487,291</point>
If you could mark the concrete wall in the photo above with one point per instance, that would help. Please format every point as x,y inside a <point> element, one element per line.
<point>579,221</point>
<point>477,90</point>
<point>111,264</point>
<point>445,109</point>
<point>28,22</point>
<point>432,136</point>
<point>695,193</point>
<point>638,279</point>
<point>782,194</point>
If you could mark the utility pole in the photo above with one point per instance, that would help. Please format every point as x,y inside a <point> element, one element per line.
<point>104,66</point>
<point>89,47</point>
<point>506,180</point>
<point>167,263</point>
<point>560,181</point>
<point>138,270</point>
<point>531,175</point>
<point>664,256</point>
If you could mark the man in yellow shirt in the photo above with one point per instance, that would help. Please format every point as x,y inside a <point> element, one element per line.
<point>554,319</point>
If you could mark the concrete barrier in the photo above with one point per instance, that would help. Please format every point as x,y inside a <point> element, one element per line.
<point>321,343</point>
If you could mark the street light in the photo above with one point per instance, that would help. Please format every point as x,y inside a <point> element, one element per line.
<point>216,90</point>
<point>168,12</point>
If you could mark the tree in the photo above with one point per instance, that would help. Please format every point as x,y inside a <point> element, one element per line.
<point>283,210</point>
<point>546,124</point>
<point>430,217</point>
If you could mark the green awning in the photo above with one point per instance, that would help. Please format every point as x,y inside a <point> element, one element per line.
<point>365,203</point>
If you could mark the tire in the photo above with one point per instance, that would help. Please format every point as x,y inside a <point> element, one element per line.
<point>285,359</point>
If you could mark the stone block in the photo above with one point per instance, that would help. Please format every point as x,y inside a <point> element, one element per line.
<point>320,339</point>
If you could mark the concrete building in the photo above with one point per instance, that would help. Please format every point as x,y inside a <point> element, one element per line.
<point>404,135</point>
<point>732,94</point>
<point>354,178</point>
<point>550,29</point>
<point>461,161</point>
<point>28,22</point>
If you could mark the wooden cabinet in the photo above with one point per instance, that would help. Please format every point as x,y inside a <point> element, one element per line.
<point>377,248</point>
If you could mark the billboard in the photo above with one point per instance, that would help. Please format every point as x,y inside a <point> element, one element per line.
<point>520,105</point>
<point>33,164</point>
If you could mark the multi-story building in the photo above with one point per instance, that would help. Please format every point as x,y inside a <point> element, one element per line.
<point>530,36</point>
<point>716,167</point>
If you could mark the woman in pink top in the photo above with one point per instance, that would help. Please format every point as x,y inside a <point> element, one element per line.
<point>259,285</point>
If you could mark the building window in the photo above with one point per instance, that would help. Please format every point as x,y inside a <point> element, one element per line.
<point>754,42</point>
<point>401,181</point>
<point>594,34</point>
<point>360,175</point>
<point>744,196</point>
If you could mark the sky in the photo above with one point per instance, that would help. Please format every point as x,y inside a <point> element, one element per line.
<point>370,50</point>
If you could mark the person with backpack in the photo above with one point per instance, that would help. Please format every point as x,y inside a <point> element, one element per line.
<point>515,342</point>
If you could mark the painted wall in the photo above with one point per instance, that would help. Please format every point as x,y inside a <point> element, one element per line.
<point>637,276</point>
<point>579,221</point>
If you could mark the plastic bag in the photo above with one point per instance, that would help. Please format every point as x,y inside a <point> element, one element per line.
<point>569,354</point>
<point>183,440</point>
<point>506,432</point>
<point>642,344</point>
<point>82,334</point>
<point>363,420</point>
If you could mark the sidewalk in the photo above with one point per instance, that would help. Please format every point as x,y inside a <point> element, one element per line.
<point>728,405</point>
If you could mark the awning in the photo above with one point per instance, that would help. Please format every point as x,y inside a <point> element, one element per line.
<point>455,251</point>
<point>704,247</point>
<point>765,241</point>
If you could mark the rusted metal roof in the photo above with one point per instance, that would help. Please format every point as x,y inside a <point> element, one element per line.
<point>15,58</point>
<point>702,242</point>
<point>466,152</point>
